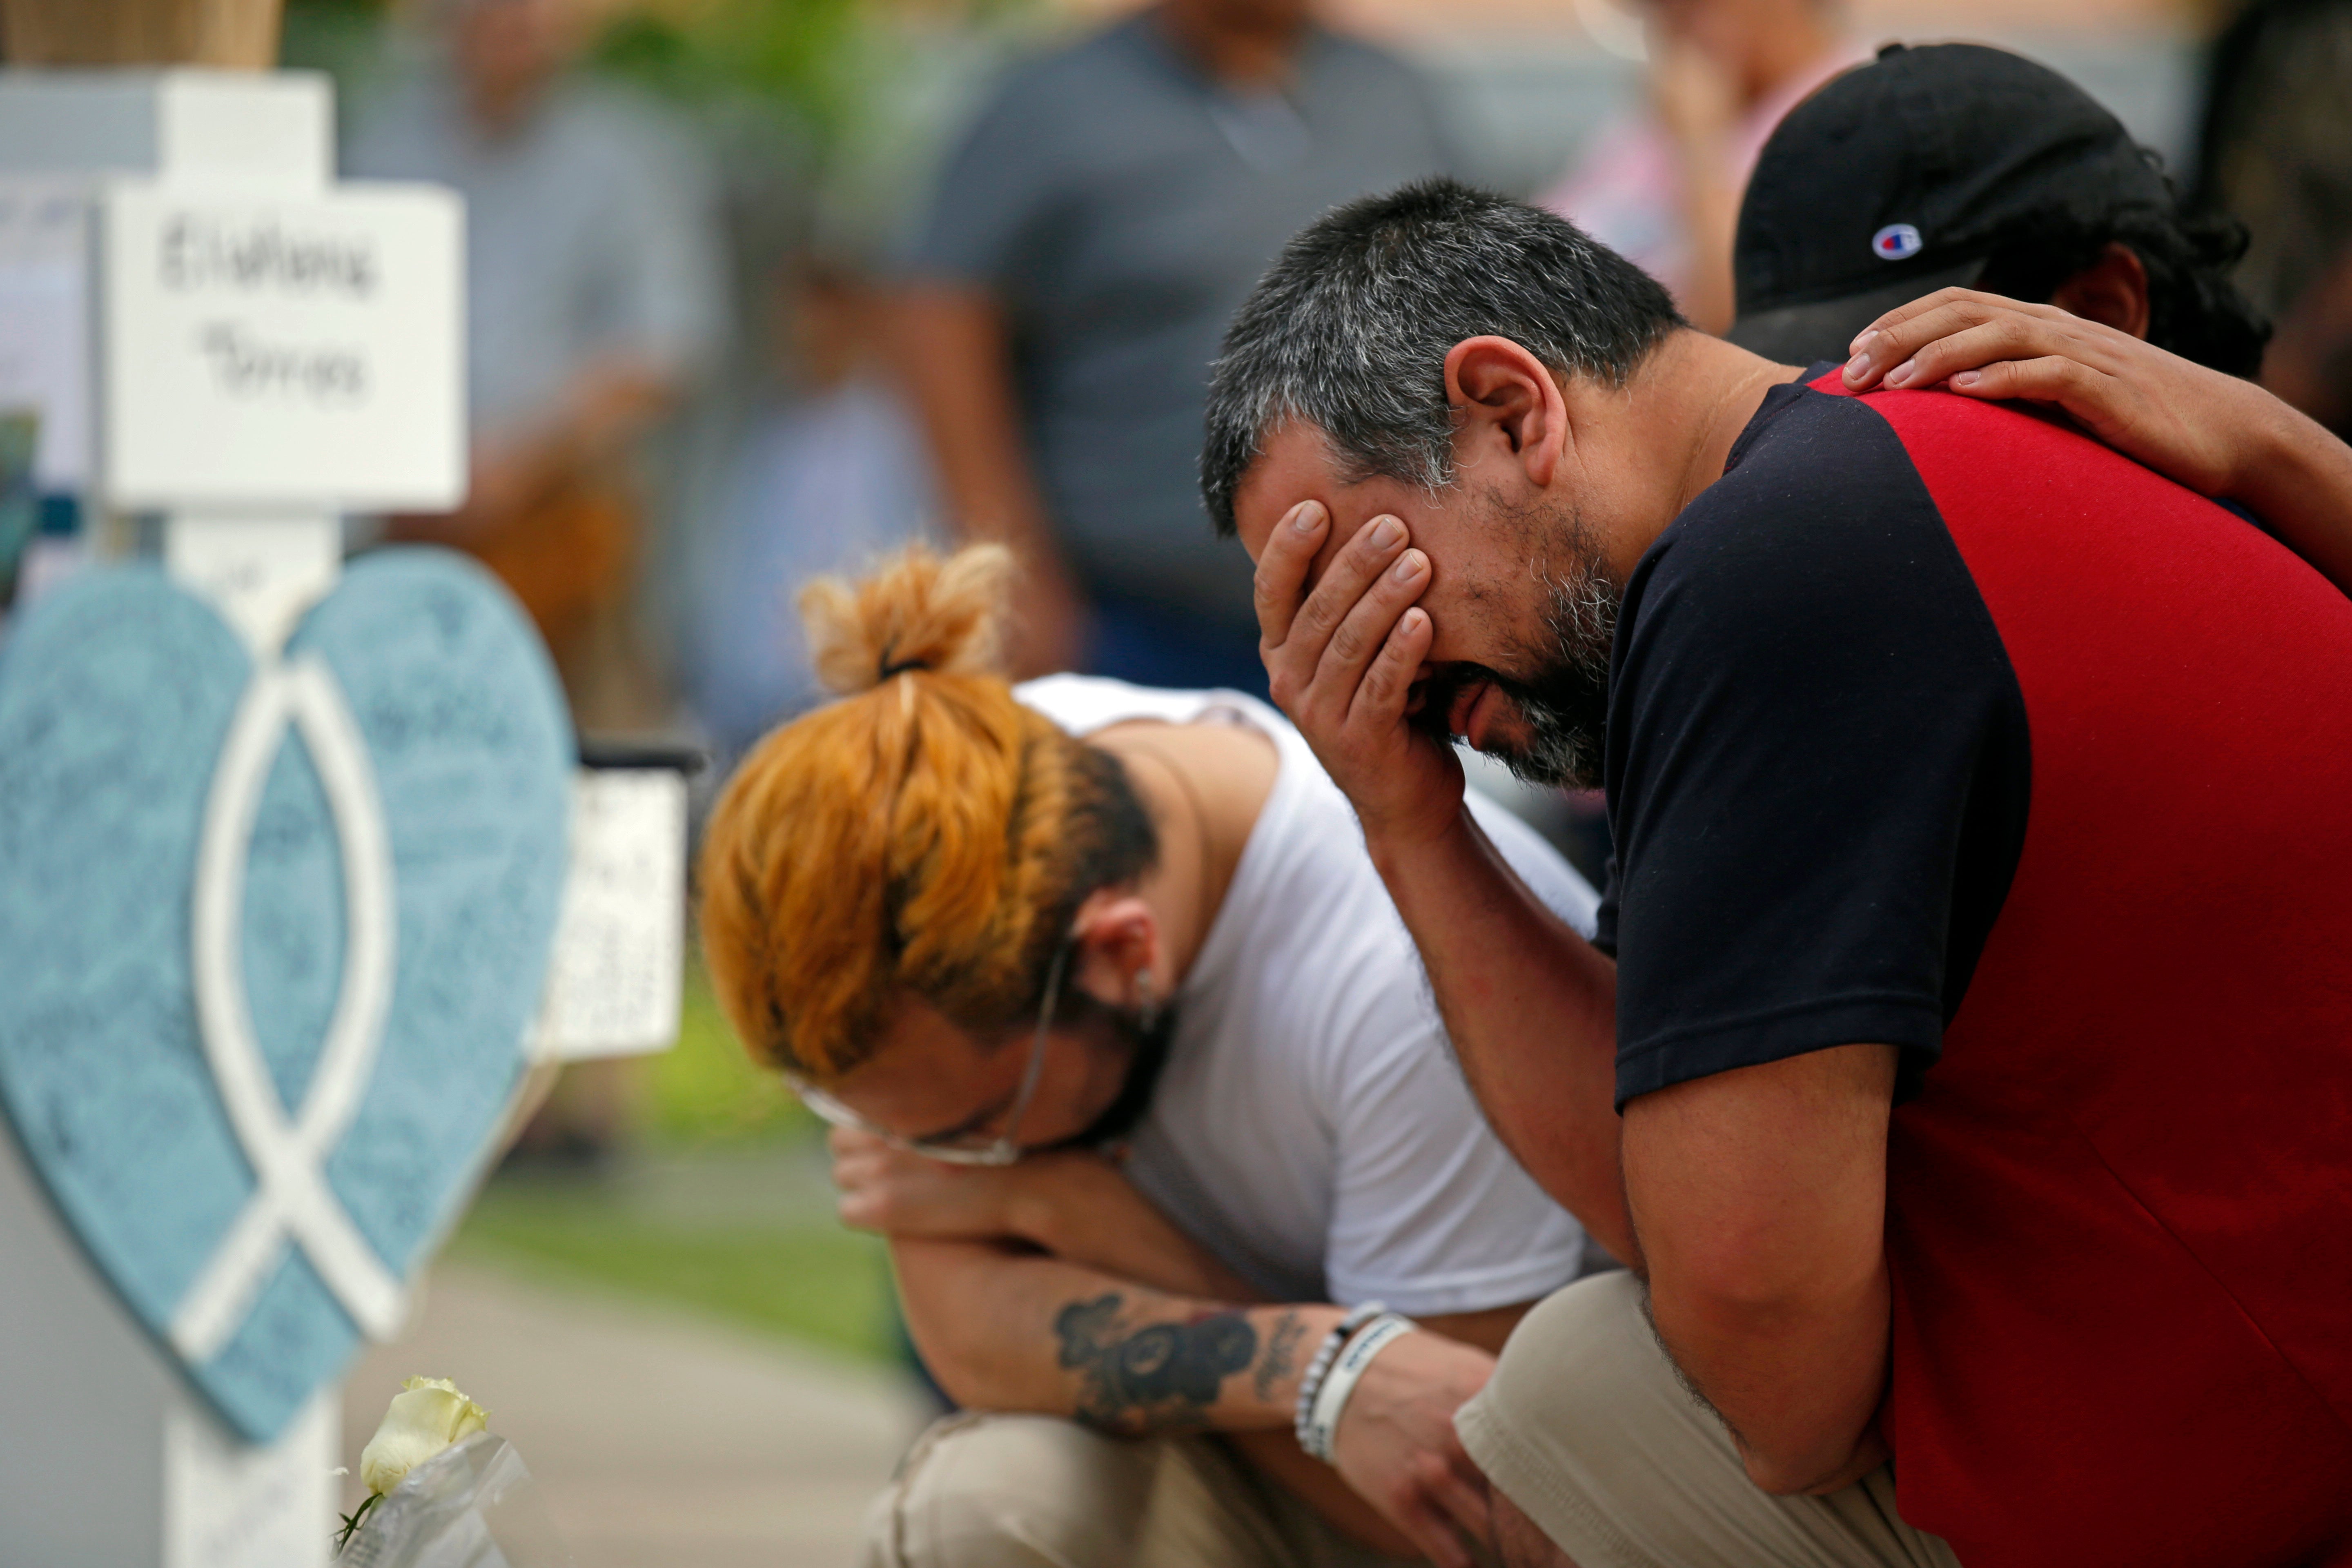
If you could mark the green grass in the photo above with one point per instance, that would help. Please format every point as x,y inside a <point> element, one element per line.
<point>813,1281</point>
<point>706,1092</point>
<point>819,1285</point>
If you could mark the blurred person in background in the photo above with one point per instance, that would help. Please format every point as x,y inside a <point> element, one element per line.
<point>1128,1054</point>
<point>2277,153</point>
<point>593,295</point>
<point>1662,188</point>
<point>1103,217</point>
<point>831,475</point>
<point>1958,165</point>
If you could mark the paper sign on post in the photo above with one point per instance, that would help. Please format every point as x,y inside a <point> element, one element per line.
<point>306,353</point>
<point>613,983</point>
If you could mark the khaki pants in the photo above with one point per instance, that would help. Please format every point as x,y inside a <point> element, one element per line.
<point>1034,1491</point>
<point>1587,1429</point>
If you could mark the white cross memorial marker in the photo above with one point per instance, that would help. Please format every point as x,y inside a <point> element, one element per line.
<point>271,350</point>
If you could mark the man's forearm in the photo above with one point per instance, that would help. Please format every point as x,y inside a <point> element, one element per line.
<point>1530,1007</point>
<point>1007,1330</point>
<point>2297,478</point>
<point>1083,1209</point>
<point>956,361</point>
<point>955,354</point>
<point>1011,1331</point>
<point>1762,1196</point>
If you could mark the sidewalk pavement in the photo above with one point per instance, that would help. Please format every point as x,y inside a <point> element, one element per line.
<point>656,1441</point>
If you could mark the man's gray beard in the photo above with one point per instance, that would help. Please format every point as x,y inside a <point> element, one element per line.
<point>1564,698</point>
<point>1567,707</point>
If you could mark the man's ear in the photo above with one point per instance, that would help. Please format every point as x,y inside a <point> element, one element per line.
<point>1505,397</point>
<point>1118,936</point>
<point>2112,291</point>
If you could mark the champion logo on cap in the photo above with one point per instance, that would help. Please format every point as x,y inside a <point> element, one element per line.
<point>1897,242</point>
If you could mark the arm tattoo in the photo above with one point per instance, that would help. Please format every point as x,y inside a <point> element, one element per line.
<point>1281,1355</point>
<point>1149,1377</point>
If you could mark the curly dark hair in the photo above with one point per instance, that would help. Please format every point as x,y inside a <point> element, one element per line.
<point>2194,309</point>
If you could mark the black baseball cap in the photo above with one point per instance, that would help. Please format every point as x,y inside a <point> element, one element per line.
<point>1901,176</point>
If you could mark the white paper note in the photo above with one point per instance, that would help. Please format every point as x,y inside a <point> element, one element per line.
<point>612,984</point>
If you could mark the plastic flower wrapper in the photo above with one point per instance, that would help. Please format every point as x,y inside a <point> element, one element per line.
<point>469,1506</point>
<point>429,1416</point>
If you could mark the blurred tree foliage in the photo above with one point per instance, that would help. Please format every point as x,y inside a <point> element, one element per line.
<point>805,56</point>
<point>820,61</point>
<point>822,118</point>
<point>866,91</point>
<point>342,37</point>
<point>706,1092</point>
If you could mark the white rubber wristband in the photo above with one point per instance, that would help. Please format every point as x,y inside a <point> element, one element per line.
<point>1332,1399</point>
<point>1325,1354</point>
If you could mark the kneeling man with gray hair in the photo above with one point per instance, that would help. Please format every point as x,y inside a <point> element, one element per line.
<point>1962,1058</point>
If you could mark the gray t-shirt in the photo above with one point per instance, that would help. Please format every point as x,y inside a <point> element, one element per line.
<point>1122,202</point>
<point>589,232</point>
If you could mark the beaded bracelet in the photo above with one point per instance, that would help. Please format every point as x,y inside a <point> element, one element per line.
<point>1347,1370</point>
<point>1311,1383</point>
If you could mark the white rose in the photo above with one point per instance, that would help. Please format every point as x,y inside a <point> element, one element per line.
<point>427,1418</point>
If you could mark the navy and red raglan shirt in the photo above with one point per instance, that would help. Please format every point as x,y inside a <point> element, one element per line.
<point>1933,723</point>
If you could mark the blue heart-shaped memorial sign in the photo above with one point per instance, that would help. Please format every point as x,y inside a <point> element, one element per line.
<point>271,934</point>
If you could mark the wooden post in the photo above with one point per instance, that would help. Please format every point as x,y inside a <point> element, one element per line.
<point>237,34</point>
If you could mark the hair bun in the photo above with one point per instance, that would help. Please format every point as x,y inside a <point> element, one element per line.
<point>916,610</point>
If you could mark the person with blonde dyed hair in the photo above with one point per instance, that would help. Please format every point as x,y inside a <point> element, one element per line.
<point>1128,1054</point>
